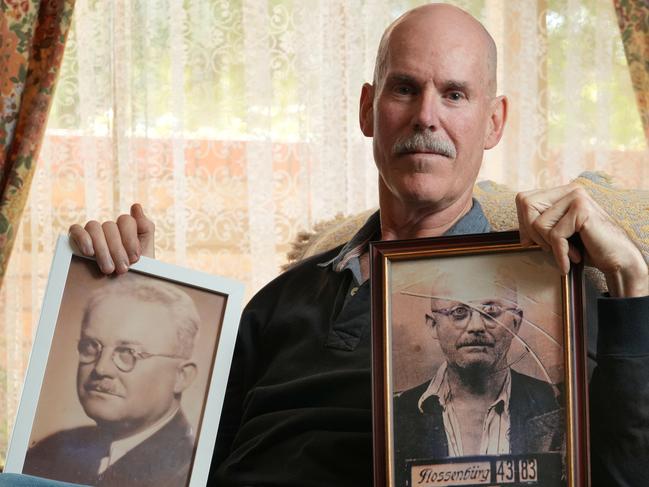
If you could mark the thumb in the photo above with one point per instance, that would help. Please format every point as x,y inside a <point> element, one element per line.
<point>145,230</point>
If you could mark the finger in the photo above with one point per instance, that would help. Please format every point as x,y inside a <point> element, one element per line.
<point>560,248</point>
<point>574,254</point>
<point>527,215</point>
<point>82,240</point>
<point>544,198</point>
<point>531,204</point>
<point>145,230</point>
<point>544,223</point>
<point>522,222</point>
<point>556,225</point>
<point>564,251</point>
<point>115,246</point>
<point>100,246</point>
<point>127,227</point>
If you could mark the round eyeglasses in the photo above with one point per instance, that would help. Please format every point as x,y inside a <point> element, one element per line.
<point>489,312</point>
<point>124,358</point>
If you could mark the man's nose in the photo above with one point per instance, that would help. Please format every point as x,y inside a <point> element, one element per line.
<point>104,366</point>
<point>476,323</point>
<point>426,115</point>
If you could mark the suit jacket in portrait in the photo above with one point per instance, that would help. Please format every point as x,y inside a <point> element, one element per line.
<point>536,423</point>
<point>162,460</point>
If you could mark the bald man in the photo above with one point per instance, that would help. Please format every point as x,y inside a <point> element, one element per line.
<point>298,407</point>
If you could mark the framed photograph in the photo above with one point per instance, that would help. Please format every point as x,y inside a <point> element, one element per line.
<point>479,365</point>
<point>127,375</point>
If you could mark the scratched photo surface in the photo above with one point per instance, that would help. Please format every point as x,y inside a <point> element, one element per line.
<point>59,407</point>
<point>470,323</point>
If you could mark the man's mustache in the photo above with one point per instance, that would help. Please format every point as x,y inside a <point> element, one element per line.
<point>424,141</point>
<point>103,385</point>
<point>475,342</point>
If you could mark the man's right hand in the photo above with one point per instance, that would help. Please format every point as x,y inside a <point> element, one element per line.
<point>116,245</point>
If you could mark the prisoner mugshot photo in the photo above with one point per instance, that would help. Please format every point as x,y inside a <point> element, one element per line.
<point>477,326</point>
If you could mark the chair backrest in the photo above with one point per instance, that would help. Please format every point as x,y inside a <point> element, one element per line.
<point>629,208</point>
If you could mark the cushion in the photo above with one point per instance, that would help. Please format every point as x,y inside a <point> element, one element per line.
<point>629,208</point>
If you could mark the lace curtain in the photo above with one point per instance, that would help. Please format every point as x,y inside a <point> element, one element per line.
<point>633,18</point>
<point>235,124</point>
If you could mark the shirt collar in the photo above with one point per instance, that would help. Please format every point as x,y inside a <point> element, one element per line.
<point>440,389</point>
<point>119,448</point>
<point>474,221</point>
<point>347,258</point>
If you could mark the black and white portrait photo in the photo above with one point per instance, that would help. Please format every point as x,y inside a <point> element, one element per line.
<point>126,383</point>
<point>477,358</point>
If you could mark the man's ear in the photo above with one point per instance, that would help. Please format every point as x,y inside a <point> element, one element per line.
<point>518,319</point>
<point>496,124</point>
<point>431,322</point>
<point>185,375</point>
<point>366,110</point>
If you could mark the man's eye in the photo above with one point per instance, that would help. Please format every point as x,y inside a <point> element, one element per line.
<point>492,310</point>
<point>124,351</point>
<point>459,313</point>
<point>88,346</point>
<point>403,89</point>
<point>455,96</point>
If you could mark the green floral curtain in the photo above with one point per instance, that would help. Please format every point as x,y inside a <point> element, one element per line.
<point>633,17</point>
<point>32,38</point>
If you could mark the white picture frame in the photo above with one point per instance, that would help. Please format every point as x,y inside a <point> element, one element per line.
<point>73,278</point>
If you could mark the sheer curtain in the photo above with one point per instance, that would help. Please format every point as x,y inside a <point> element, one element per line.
<point>235,124</point>
<point>633,19</point>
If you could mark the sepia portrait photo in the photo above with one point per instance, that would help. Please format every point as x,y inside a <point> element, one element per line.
<point>476,369</point>
<point>125,386</point>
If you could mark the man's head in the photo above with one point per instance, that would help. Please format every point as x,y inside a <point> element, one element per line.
<point>432,108</point>
<point>135,349</point>
<point>475,329</point>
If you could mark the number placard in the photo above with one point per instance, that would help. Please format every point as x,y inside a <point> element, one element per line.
<point>531,470</point>
<point>527,468</point>
<point>505,471</point>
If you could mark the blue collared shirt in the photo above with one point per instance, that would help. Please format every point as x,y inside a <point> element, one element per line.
<point>474,221</point>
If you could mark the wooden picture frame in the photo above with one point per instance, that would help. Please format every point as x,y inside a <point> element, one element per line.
<point>471,331</point>
<point>173,327</point>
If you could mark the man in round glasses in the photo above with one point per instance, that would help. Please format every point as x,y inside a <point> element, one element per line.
<point>475,335</point>
<point>135,349</point>
<point>476,404</point>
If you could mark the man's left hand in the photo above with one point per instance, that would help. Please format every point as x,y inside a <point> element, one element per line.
<point>550,217</point>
